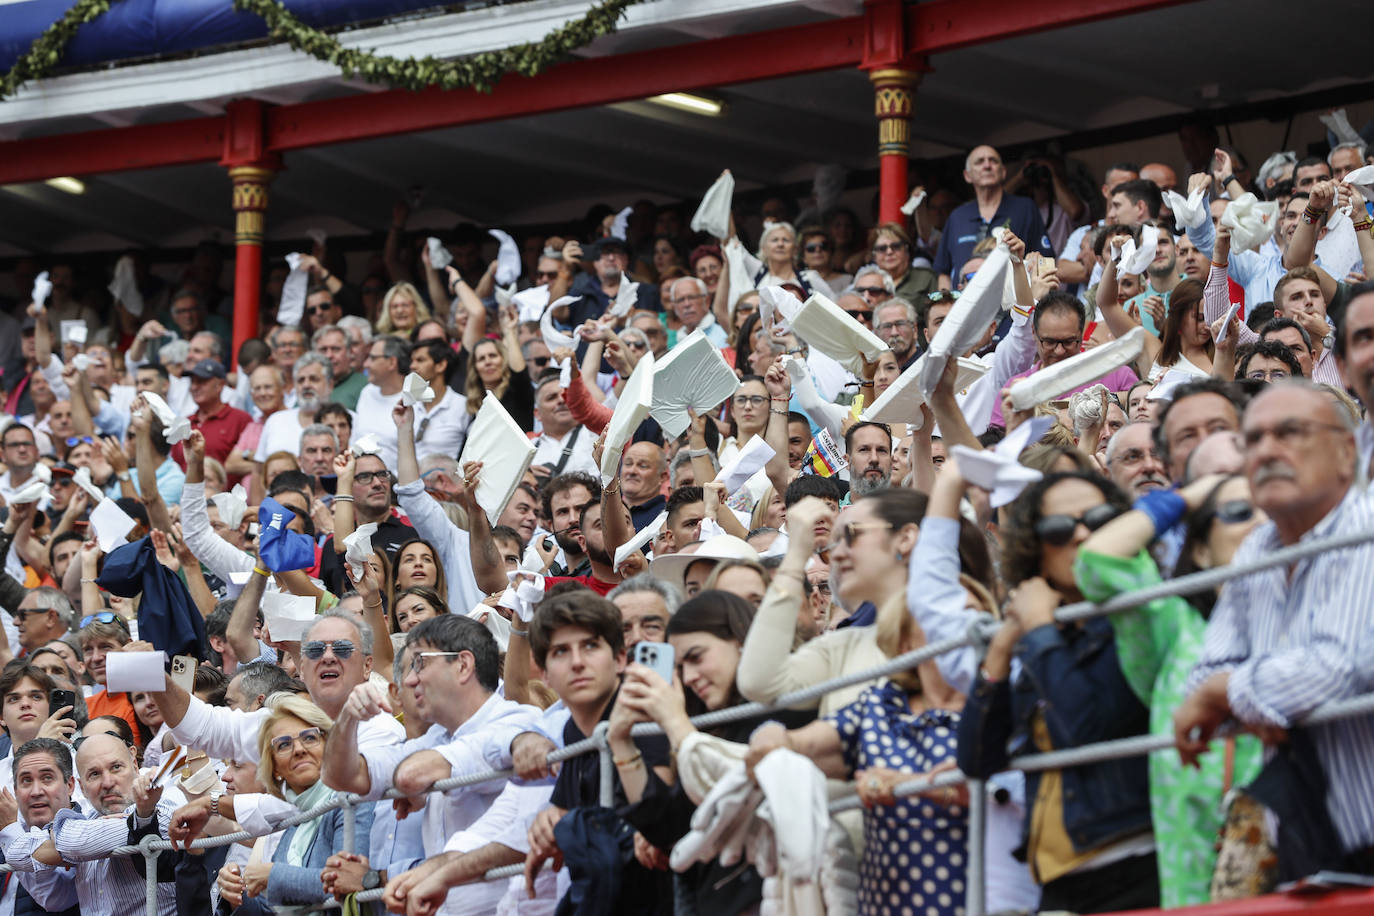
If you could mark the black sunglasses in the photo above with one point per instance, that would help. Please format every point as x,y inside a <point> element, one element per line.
<point>1057,530</point>
<point>314,649</point>
<point>1234,511</point>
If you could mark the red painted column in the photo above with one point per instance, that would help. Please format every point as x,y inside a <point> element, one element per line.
<point>251,169</point>
<point>893,92</point>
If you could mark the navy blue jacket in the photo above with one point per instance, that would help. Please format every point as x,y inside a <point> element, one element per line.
<point>1072,676</point>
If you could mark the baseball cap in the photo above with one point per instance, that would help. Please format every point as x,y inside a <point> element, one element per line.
<point>208,368</point>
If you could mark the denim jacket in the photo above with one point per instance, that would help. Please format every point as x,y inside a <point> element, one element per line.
<point>1072,676</point>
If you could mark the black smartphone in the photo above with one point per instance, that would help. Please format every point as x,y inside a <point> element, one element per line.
<point>329,483</point>
<point>59,698</point>
<point>549,542</point>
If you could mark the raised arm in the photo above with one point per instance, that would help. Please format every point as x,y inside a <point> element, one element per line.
<point>436,288</point>
<point>1120,323</point>
<point>1302,247</point>
<point>954,429</point>
<point>244,618</point>
<point>775,432</point>
<point>345,465</point>
<point>140,424</point>
<point>488,569</point>
<point>468,300</point>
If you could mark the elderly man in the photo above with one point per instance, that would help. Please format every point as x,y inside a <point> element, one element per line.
<point>646,604</point>
<point>281,432</point>
<point>691,303</point>
<point>643,471</point>
<point>972,222</point>
<point>45,614</point>
<point>388,364</point>
<point>75,852</point>
<point>895,322</point>
<point>288,344</point>
<point>359,331</point>
<point>564,445</point>
<point>331,342</point>
<point>1133,460</point>
<point>610,259</point>
<point>1282,642</point>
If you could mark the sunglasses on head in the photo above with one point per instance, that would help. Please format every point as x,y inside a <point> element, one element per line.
<point>78,440</point>
<point>1057,530</point>
<point>314,649</point>
<point>103,617</point>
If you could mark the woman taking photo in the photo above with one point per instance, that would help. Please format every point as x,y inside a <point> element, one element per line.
<point>1087,830</point>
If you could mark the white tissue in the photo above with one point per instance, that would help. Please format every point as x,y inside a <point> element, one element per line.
<point>505,296</point>
<point>741,280</point>
<point>747,462</point>
<point>291,307</point>
<point>1338,122</point>
<point>33,491</point>
<point>111,523</point>
<point>565,373</point>
<point>831,330</point>
<point>620,226</point>
<point>81,362</point>
<point>1136,260</point>
<point>914,201</point>
<point>1164,388</point>
<point>625,297</point>
<point>82,478</point>
<point>554,338</point>
<point>1362,180</point>
<point>359,548</point>
<point>1251,223</point>
<point>415,390</point>
<point>232,505</point>
<point>367,444</point>
<point>713,215</point>
<point>124,286</point>
<point>42,288</point>
<point>1188,211</point>
<point>777,307</point>
<point>507,258</point>
<point>174,428</point>
<point>439,258</point>
<point>505,451</point>
<point>998,470</point>
<point>498,626</point>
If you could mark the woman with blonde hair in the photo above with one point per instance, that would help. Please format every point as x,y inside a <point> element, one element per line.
<point>499,366</point>
<point>402,310</point>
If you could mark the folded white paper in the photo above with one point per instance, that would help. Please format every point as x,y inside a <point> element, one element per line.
<point>901,402</point>
<point>505,452</point>
<point>747,462</point>
<point>694,375</point>
<point>620,226</point>
<point>415,390</point>
<point>554,338</point>
<point>833,331</point>
<point>642,537</point>
<point>631,410</point>
<point>998,470</point>
<point>713,215</point>
<point>777,307</point>
<point>175,428</point>
<point>1188,211</point>
<point>530,303</point>
<point>1251,222</point>
<point>111,523</point>
<point>288,616</point>
<point>498,626</point>
<point>367,444</point>
<point>42,472</point>
<point>232,505</point>
<point>439,258</point>
<point>358,548</point>
<point>526,589</point>
<point>980,303</point>
<point>914,201</point>
<point>72,330</point>
<point>1088,366</point>
<point>1168,382</point>
<point>126,672</point>
<point>291,306</point>
<point>124,286</point>
<point>82,478</point>
<point>42,288</point>
<point>507,258</point>
<point>1135,260</point>
<point>33,491</point>
<point>1225,329</point>
<point>625,297</point>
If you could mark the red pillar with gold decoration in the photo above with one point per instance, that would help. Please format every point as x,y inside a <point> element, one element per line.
<point>251,169</point>
<point>893,92</point>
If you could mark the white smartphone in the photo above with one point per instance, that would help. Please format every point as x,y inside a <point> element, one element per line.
<point>656,656</point>
<point>184,672</point>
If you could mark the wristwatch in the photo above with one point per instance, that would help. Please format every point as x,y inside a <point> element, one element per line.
<point>372,879</point>
<point>123,475</point>
<point>214,804</point>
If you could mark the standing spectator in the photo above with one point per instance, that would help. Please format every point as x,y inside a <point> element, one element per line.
<point>974,221</point>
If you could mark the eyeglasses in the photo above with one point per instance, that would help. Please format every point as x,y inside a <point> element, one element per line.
<point>1289,432</point>
<point>889,248</point>
<point>814,247</point>
<point>366,477</point>
<point>872,292</point>
<point>28,444</point>
<point>73,441</point>
<point>309,739</point>
<point>314,649</point>
<point>418,660</point>
<point>1060,343</point>
<point>103,617</point>
<point>899,325</point>
<point>1234,511</point>
<point>549,275</point>
<point>749,400</point>
<point>541,360</point>
<point>850,533</point>
<point>1057,530</point>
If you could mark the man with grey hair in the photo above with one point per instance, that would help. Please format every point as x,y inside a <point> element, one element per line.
<point>895,322</point>
<point>646,602</point>
<point>680,474</point>
<point>1133,460</point>
<point>288,344</point>
<point>331,342</point>
<point>1219,453</point>
<point>281,432</point>
<point>359,331</point>
<point>319,445</point>
<point>388,364</point>
<point>1345,158</point>
<point>874,284</point>
<point>691,302</point>
<point>45,614</point>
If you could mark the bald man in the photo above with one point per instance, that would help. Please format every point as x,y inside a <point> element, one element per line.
<point>643,472</point>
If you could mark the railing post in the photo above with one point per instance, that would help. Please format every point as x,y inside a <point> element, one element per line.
<point>350,815</point>
<point>975,902</point>
<point>149,872</point>
<point>603,747</point>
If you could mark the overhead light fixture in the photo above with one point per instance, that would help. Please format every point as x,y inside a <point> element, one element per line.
<point>685,101</point>
<point>68,184</point>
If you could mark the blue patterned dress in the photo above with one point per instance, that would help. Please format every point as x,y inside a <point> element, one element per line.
<point>915,852</point>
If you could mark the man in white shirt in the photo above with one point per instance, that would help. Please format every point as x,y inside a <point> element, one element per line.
<point>441,427</point>
<point>281,432</point>
<point>564,445</point>
<point>388,363</point>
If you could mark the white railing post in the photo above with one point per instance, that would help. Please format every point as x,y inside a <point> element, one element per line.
<point>350,825</point>
<point>975,882</point>
<point>150,870</point>
<point>603,747</point>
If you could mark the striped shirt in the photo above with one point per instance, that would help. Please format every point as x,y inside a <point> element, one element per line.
<point>1292,642</point>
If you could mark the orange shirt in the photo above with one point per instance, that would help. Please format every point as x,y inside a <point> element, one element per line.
<point>105,703</point>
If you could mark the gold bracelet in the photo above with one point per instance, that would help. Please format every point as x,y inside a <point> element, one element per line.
<point>638,757</point>
<point>262,572</point>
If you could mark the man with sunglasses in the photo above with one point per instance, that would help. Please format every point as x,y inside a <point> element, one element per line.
<point>454,673</point>
<point>895,322</point>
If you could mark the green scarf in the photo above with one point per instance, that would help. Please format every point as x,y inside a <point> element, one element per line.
<point>305,833</point>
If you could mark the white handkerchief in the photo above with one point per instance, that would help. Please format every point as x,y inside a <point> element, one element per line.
<point>625,297</point>
<point>126,672</point>
<point>565,373</point>
<point>1251,222</point>
<point>316,235</point>
<point>1164,388</point>
<point>642,537</point>
<point>82,478</point>
<point>42,288</point>
<point>505,296</point>
<point>833,331</point>
<point>367,444</point>
<point>1135,260</point>
<point>111,523</point>
<point>505,452</point>
<point>174,428</point>
<point>507,258</point>
<point>740,277</point>
<point>901,402</point>
<point>526,589</point>
<point>42,472</point>
<point>530,303</point>
<point>291,306</point>
<point>1362,180</point>
<point>415,390</point>
<point>124,286</point>
<point>498,626</point>
<point>33,491</point>
<point>439,258</point>
<point>694,375</point>
<point>777,308</point>
<point>1338,122</point>
<point>1088,366</point>
<point>713,215</point>
<point>72,330</point>
<point>530,560</point>
<point>232,504</point>
<point>1188,211</point>
<point>979,304</point>
<point>81,362</point>
<point>1226,322</point>
<point>620,226</point>
<point>635,400</point>
<point>998,470</point>
<point>747,462</point>
<point>554,338</point>
<point>358,548</point>
<point>914,201</point>
<point>288,616</point>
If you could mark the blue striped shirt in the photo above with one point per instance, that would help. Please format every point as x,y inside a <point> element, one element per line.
<point>1293,641</point>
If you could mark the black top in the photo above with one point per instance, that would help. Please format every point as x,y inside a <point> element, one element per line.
<point>645,513</point>
<point>391,533</point>
<point>519,400</point>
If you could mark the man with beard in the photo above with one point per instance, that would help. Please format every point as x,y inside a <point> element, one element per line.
<point>868,448</point>
<point>78,846</point>
<point>1133,461</point>
<point>1163,274</point>
<point>43,785</point>
<point>895,322</point>
<point>281,432</point>
<point>643,469</point>
<point>564,498</point>
<point>592,538</point>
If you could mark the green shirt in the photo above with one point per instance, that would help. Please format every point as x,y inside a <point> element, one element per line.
<point>346,392</point>
<point>1159,643</point>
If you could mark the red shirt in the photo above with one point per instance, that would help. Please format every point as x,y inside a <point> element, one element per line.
<point>220,429</point>
<point>593,583</point>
